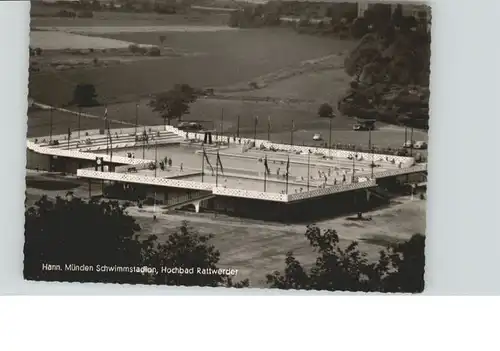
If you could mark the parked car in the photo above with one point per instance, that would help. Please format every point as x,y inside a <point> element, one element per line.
<point>408,144</point>
<point>420,145</point>
<point>362,127</point>
<point>190,126</point>
<point>317,137</point>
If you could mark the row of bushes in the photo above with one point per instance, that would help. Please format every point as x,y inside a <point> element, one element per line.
<point>73,14</point>
<point>35,51</point>
<point>142,50</point>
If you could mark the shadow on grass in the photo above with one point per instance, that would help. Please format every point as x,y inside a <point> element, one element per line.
<point>51,185</point>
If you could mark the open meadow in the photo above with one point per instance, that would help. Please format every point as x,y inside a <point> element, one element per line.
<point>220,58</point>
<point>258,248</point>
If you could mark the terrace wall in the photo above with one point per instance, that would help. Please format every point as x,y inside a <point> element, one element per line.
<point>332,190</point>
<point>140,179</point>
<point>221,191</point>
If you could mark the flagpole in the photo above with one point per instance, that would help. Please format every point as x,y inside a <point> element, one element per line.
<point>136,117</point>
<point>217,170</point>
<point>369,138</point>
<point>287,172</point>
<point>222,124</point>
<point>373,163</point>
<point>308,163</point>
<point>238,127</point>
<point>255,129</point>
<point>105,116</point>
<point>107,139</point>
<point>69,135</point>
<point>156,156</point>
<point>291,133</point>
<point>144,143</point>
<point>330,139</point>
<point>50,135</point>
<point>105,127</point>
<point>411,142</point>
<point>266,167</point>
<point>265,178</point>
<point>269,128</point>
<point>202,164</point>
<point>110,143</point>
<point>79,117</point>
<point>353,168</point>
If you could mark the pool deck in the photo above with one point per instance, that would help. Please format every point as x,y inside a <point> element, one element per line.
<point>241,171</point>
<point>246,170</point>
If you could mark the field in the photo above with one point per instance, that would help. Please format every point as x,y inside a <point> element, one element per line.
<point>58,40</point>
<point>219,59</point>
<point>115,18</point>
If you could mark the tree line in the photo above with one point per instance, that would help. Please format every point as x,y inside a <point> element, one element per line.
<point>74,231</point>
<point>390,67</point>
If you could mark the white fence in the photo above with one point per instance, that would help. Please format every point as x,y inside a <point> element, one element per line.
<point>250,194</point>
<point>401,171</point>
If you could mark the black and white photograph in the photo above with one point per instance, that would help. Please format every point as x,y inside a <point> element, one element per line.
<point>217,143</point>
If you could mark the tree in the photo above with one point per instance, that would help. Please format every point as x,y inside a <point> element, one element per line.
<point>400,269</point>
<point>407,266</point>
<point>73,231</point>
<point>359,28</point>
<point>154,51</point>
<point>162,39</point>
<point>84,95</point>
<point>393,56</point>
<point>175,102</point>
<point>325,110</point>
<point>187,249</point>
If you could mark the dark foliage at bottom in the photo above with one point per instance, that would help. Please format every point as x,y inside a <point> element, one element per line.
<point>67,233</point>
<point>400,268</point>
